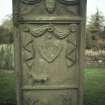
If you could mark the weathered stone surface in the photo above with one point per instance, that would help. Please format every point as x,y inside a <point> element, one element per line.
<point>49,51</point>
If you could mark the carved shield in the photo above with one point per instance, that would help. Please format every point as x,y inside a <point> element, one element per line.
<point>50,50</point>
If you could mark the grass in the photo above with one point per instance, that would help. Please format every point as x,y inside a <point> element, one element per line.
<point>7,88</point>
<point>94,87</point>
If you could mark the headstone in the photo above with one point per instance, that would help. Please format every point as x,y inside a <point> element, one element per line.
<point>49,48</point>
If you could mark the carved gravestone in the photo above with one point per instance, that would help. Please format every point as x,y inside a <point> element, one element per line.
<point>49,47</point>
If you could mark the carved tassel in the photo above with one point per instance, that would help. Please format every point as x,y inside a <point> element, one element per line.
<point>50,5</point>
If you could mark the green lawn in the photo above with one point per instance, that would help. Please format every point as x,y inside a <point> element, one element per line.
<point>94,87</point>
<point>7,88</point>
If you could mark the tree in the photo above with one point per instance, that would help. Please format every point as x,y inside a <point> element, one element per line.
<point>6,44</point>
<point>8,23</point>
<point>95,25</point>
<point>96,22</point>
<point>6,32</point>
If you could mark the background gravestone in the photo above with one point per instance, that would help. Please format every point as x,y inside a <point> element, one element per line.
<point>49,47</point>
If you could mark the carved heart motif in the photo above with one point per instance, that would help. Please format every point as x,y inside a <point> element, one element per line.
<point>50,50</point>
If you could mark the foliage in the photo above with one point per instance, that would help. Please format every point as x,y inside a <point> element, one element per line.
<point>8,24</point>
<point>95,25</point>
<point>6,47</point>
<point>6,36</point>
<point>6,32</point>
<point>90,42</point>
<point>6,56</point>
<point>96,21</point>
